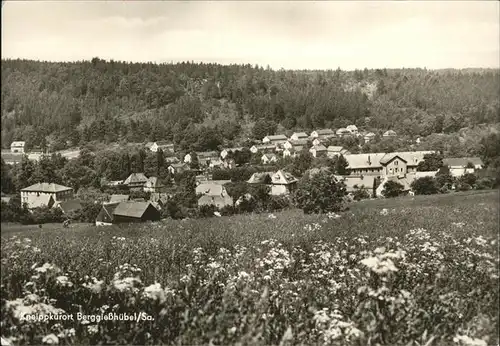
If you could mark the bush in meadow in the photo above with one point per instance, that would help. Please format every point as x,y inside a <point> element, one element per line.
<point>425,186</point>
<point>392,189</point>
<point>319,193</point>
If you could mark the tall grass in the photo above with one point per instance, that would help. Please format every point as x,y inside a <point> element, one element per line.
<point>405,271</point>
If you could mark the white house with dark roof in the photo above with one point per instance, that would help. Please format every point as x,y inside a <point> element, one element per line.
<point>225,152</point>
<point>318,151</point>
<point>45,194</point>
<point>135,181</point>
<point>370,136</point>
<point>165,146</point>
<point>281,182</point>
<point>389,133</point>
<point>385,163</point>
<point>274,139</point>
<point>213,193</point>
<point>295,143</point>
<point>265,148</point>
<point>268,158</point>
<point>153,184</point>
<point>17,147</point>
<point>353,129</point>
<point>322,133</point>
<point>462,165</point>
<point>298,136</point>
<point>334,150</point>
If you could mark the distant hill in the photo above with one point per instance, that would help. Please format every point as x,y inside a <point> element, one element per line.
<point>203,106</point>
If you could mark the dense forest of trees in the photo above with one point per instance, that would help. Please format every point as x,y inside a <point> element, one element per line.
<point>205,106</point>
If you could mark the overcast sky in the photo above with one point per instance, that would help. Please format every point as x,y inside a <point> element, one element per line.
<point>295,35</point>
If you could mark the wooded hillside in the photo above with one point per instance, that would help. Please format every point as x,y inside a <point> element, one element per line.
<point>203,106</point>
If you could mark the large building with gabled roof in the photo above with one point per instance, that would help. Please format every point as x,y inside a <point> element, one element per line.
<point>45,194</point>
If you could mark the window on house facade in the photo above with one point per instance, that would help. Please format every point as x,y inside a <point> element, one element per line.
<point>396,162</point>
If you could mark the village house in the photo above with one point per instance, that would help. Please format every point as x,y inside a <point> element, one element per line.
<point>171,159</point>
<point>17,147</point>
<point>318,151</point>
<point>274,139</point>
<point>281,183</point>
<point>352,129</point>
<point>342,132</point>
<point>165,146</point>
<point>176,168</point>
<point>461,165</point>
<point>159,200</point>
<point>322,133</point>
<point>358,182</point>
<point>370,136</point>
<point>135,181</point>
<point>224,153</point>
<point>268,158</point>
<point>213,193</point>
<point>296,136</point>
<point>396,163</point>
<point>127,212</point>
<point>334,150</point>
<point>45,194</point>
<point>269,148</point>
<point>299,143</point>
<point>389,133</point>
<point>153,184</point>
<point>69,207</point>
<point>116,198</point>
<point>204,157</point>
<point>292,152</point>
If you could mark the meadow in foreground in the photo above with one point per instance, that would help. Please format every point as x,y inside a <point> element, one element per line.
<point>414,272</point>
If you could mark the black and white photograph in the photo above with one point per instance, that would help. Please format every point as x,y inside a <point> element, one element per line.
<point>250,173</point>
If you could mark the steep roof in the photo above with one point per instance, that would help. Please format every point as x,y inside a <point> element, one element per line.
<point>260,177</point>
<point>276,137</point>
<point>136,178</point>
<point>118,198</point>
<point>300,134</point>
<point>215,199</point>
<point>369,134</point>
<point>352,128</point>
<point>357,181</point>
<point>389,157</point>
<point>203,154</point>
<point>322,132</point>
<point>298,142</point>
<point>412,158</point>
<point>389,133</point>
<point>106,213</point>
<point>371,160</point>
<point>269,156</point>
<point>283,178</point>
<point>211,189</point>
<point>18,144</point>
<point>319,147</point>
<point>131,209</point>
<point>46,187</point>
<point>70,205</point>
<point>265,146</point>
<point>171,159</point>
<point>335,148</point>
<point>462,161</point>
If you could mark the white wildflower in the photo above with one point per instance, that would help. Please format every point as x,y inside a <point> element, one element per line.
<point>155,292</point>
<point>384,212</point>
<point>126,284</point>
<point>468,341</point>
<point>271,216</point>
<point>216,213</point>
<point>63,281</point>
<point>50,339</point>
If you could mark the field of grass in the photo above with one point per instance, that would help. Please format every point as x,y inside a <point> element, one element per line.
<point>409,271</point>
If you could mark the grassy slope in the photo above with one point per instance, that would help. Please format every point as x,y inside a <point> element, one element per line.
<point>80,246</point>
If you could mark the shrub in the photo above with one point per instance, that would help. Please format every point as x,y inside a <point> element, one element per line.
<point>207,210</point>
<point>392,189</point>
<point>461,186</point>
<point>484,184</point>
<point>43,215</point>
<point>88,213</point>
<point>360,193</point>
<point>319,193</point>
<point>425,186</point>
